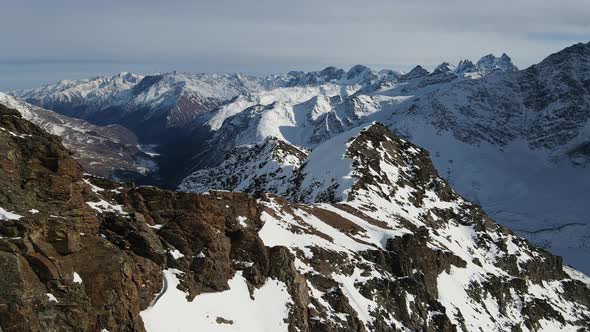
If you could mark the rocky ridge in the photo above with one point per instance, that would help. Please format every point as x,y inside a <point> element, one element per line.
<point>171,101</point>
<point>265,167</point>
<point>91,254</point>
<point>500,138</point>
<point>106,151</point>
<point>490,128</point>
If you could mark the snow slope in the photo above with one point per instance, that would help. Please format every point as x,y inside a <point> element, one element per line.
<point>395,194</point>
<point>102,150</point>
<point>515,142</point>
<point>523,189</point>
<point>235,309</point>
<point>401,251</point>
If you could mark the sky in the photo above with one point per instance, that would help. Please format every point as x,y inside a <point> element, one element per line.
<point>45,41</point>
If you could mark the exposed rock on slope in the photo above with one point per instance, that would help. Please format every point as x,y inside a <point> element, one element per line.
<point>500,137</point>
<point>266,167</point>
<point>91,254</point>
<point>84,257</point>
<point>155,107</point>
<point>107,151</point>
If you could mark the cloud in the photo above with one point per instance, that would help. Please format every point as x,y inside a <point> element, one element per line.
<point>274,35</point>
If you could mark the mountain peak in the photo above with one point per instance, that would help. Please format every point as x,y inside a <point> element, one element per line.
<point>444,68</point>
<point>327,74</point>
<point>465,66</point>
<point>331,70</point>
<point>358,68</point>
<point>388,74</point>
<point>579,50</point>
<point>416,72</point>
<point>360,73</point>
<point>125,77</point>
<point>490,62</point>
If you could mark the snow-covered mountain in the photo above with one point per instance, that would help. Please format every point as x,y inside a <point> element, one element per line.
<point>490,62</point>
<point>516,142</point>
<point>159,104</point>
<point>146,104</point>
<point>392,248</point>
<point>513,141</point>
<point>109,151</point>
<point>174,100</point>
<point>260,168</point>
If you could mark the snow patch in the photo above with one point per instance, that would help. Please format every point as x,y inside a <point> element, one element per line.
<point>7,215</point>
<point>94,188</point>
<point>104,206</point>
<point>76,277</point>
<point>242,221</point>
<point>176,254</point>
<point>51,298</point>
<point>266,310</point>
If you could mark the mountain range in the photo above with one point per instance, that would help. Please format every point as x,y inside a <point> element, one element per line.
<point>108,151</point>
<point>514,141</point>
<point>332,200</point>
<point>392,248</point>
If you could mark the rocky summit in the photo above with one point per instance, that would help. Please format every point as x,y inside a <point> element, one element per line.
<point>364,236</point>
<point>500,136</point>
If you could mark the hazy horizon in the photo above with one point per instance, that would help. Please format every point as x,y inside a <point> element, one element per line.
<point>82,39</point>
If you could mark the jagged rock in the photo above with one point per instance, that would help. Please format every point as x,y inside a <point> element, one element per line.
<point>384,256</point>
<point>444,68</point>
<point>464,67</point>
<point>108,151</point>
<point>416,72</point>
<point>490,62</point>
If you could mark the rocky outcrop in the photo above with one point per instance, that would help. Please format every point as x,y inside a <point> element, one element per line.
<point>265,167</point>
<point>416,72</point>
<point>56,243</point>
<point>82,253</point>
<point>490,62</point>
<point>106,151</point>
<point>87,254</point>
<point>465,67</point>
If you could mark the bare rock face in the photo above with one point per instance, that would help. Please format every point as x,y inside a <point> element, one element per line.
<point>403,252</point>
<point>265,167</point>
<point>56,242</point>
<point>87,253</point>
<point>106,151</point>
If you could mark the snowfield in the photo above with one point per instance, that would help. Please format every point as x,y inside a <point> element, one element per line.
<point>7,215</point>
<point>485,135</point>
<point>377,198</point>
<point>235,309</point>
